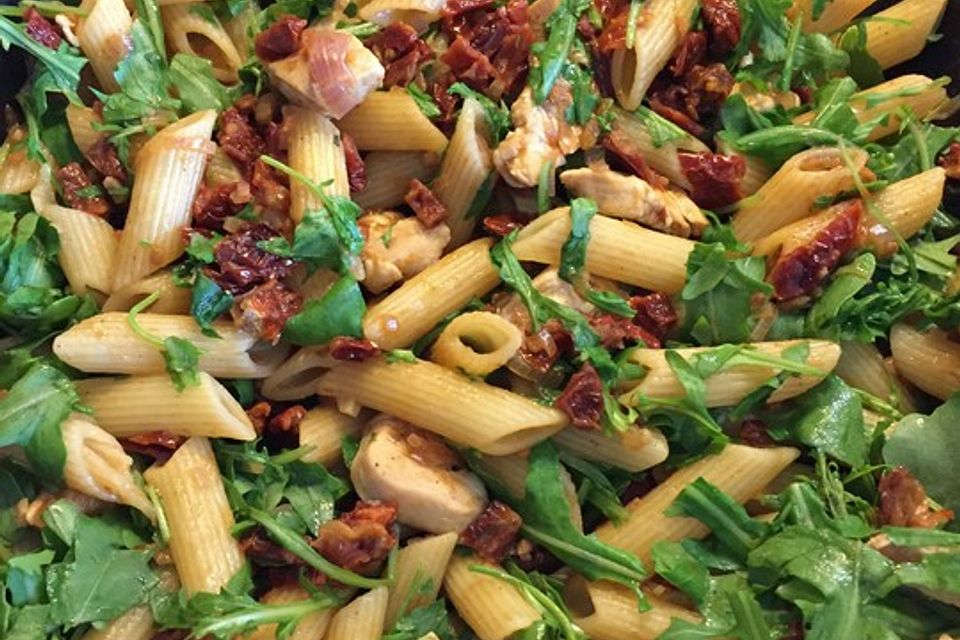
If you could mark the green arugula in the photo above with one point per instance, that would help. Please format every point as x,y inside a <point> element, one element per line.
<point>552,54</point>
<point>583,90</point>
<point>497,115</point>
<point>31,414</point>
<point>181,357</point>
<point>195,84</point>
<point>419,622</point>
<point>573,258</point>
<point>424,101</point>
<point>661,130</point>
<point>339,312</point>
<point>208,302</point>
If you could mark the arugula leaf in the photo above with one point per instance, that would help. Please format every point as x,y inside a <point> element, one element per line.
<point>828,417</point>
<point>24,577</point>
<point>339,312</point>
<point>678,567</point>
<point>552,54</point>
<point>718,297</point>
<point>927,447</point>
<point>596,486</point>
<point>430,618</point>
<point>31,414</point>
<point>143,81</point>
<point>60,69</point>
<point>584,92</point>
<point>547,521</point>
<point>424,102</point>
<point>208,302</point>
<point>497,115</point>
<point>573,258</point>
<point>315,242</point>
<point>846,282</point>
<point>661,130</point>
<point>181,357</point>
<point>863,67</point>
<point>195,83</point>
<point>736,531</point>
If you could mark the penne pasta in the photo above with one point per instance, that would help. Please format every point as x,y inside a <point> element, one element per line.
<point>104,38</point>
<point>472,413</point>
<point>389,174</point>
<point>930,360</point>
<point>420,568</point>
<point>476,343</point>
<point>296,377</point>
<point>169,170</point>
<point>322,431</point>
<point>417,13</point>
<point>900,32</point>
<point>138,404</point>
<point>635,449</point>
<point>361,619</point>
<point>742,472</point>
<point>194,29</point>
<point>862,366</point>
<point>172,299</point>
<point>107,344</point>
<point>88,248</point>
<point>835,15</point>
<point>316,152</point>
<point>195,504</point>
<point>662,158</point>
<point>392,121</point>
<point>310,627</point>
<point>81,122</point>
<point>493,609</point>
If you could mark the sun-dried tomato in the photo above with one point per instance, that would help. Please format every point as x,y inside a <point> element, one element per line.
<point>361,539</point>
<point>239,139</point>
<point>692,51</point>
<point>425,204</point>
<point>722,18</point>
<point>631,155</point>
<point>903,502</point>
<point>79,191</point>
<point>756,433</point>
<point>41,30</point>
<point>802,270</point>
<point>401,51</point>
<point>159,445</point>
<point>494,532</point>
<point>264,311</point>
<point>356,168</point>
<point>715,177</point>
<point>655,313</point>
<point>502,224</point>
<point>616,332</point>
<point>281,39</point>
<point>103,156</point>
<point>582,398</point>
<point>950,161</point>
<point>213,205</point>
<point>352,349</point>
<point>241,264</point>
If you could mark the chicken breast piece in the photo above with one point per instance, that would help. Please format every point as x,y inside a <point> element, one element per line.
<point>419,473</point>
<point>397,248</point>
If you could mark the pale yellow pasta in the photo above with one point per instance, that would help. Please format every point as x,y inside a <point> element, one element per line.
<point>861,365</point>
<point>466,167</point>
<point>316,152</point>
<point>389,174</point>
<point>417,13</point>
<point>421,302</point>
<point>756,175</point>
<point>362,619</point>
<point>663,158</point>
<point>241,28</point>
<point>221,170</point>
<point>511,474</point>
<point>608,611</point>
<point>18,173</point>
<point>730,386</point>
<point>419,570</point>
<point>81,122</point>
<point>105,343</point>
<point>741,472</point>
<point>472,413</point>
<point>886,101</point>
<point>635,449</point>
<point>835,15</point>
<point>169,170</point>
<point>172,299</point>
<point>928,359</point>
<point>310,627</point>
<point>195,505</point>
<point>104,38</point>
<point>899,33</point>
<point>790,194</point>
<point>618,250</point>
<point>660,27</point>
<point>492,608</point>
<point>392,121</point>
<point>908,205</point>
<point>322,431</point>
<point>88,248</point>
<point>297,376</point>
<point>476,343</point>
<point>135,624</point>
<point>194,29</point>
<point>97,465</point>
<point>137,404</point>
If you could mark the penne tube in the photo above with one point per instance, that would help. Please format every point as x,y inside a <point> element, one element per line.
<point>297,377</point>
<point>608,611</point>
<point>900,32</point>
<point>88,248</point>
<point>80,120</point>
<point>862,366</point>
<point>392,121</point>
<point>241,29</point>
<point>322,431</point>
<point>361,619</point>
<point>417,13</point>
<point>310,627</point>
<point>194,29</point>
<point>135,624</point>
<point>511,474</point>
<point>419,571</point>
<point>466,167</point>
<point>221,170</point>
<point>790,194</point>
<point>421,302</point>
<point>661,26</point>
<point>492,608</point>
<point>172,299</point>
<point>18,173</point>
<point>756,175</point>
<point>635,449</point>
<point>630,131</point>
<point>389,174</point>
<point>169,170</point>
<point>908,205</point>
<point>195,504</point>
<point>740,471</point>
<point>472,413</point>
<point>105,343</point>
<point>618,250</point>
<point>316,152</point>
<point>730,386</point>
<point>104,38</point>
<point>930,360</point>
<point>97,465</point>
<point>476,343</point>
<point>834,16</point>
<point>137,404</point>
